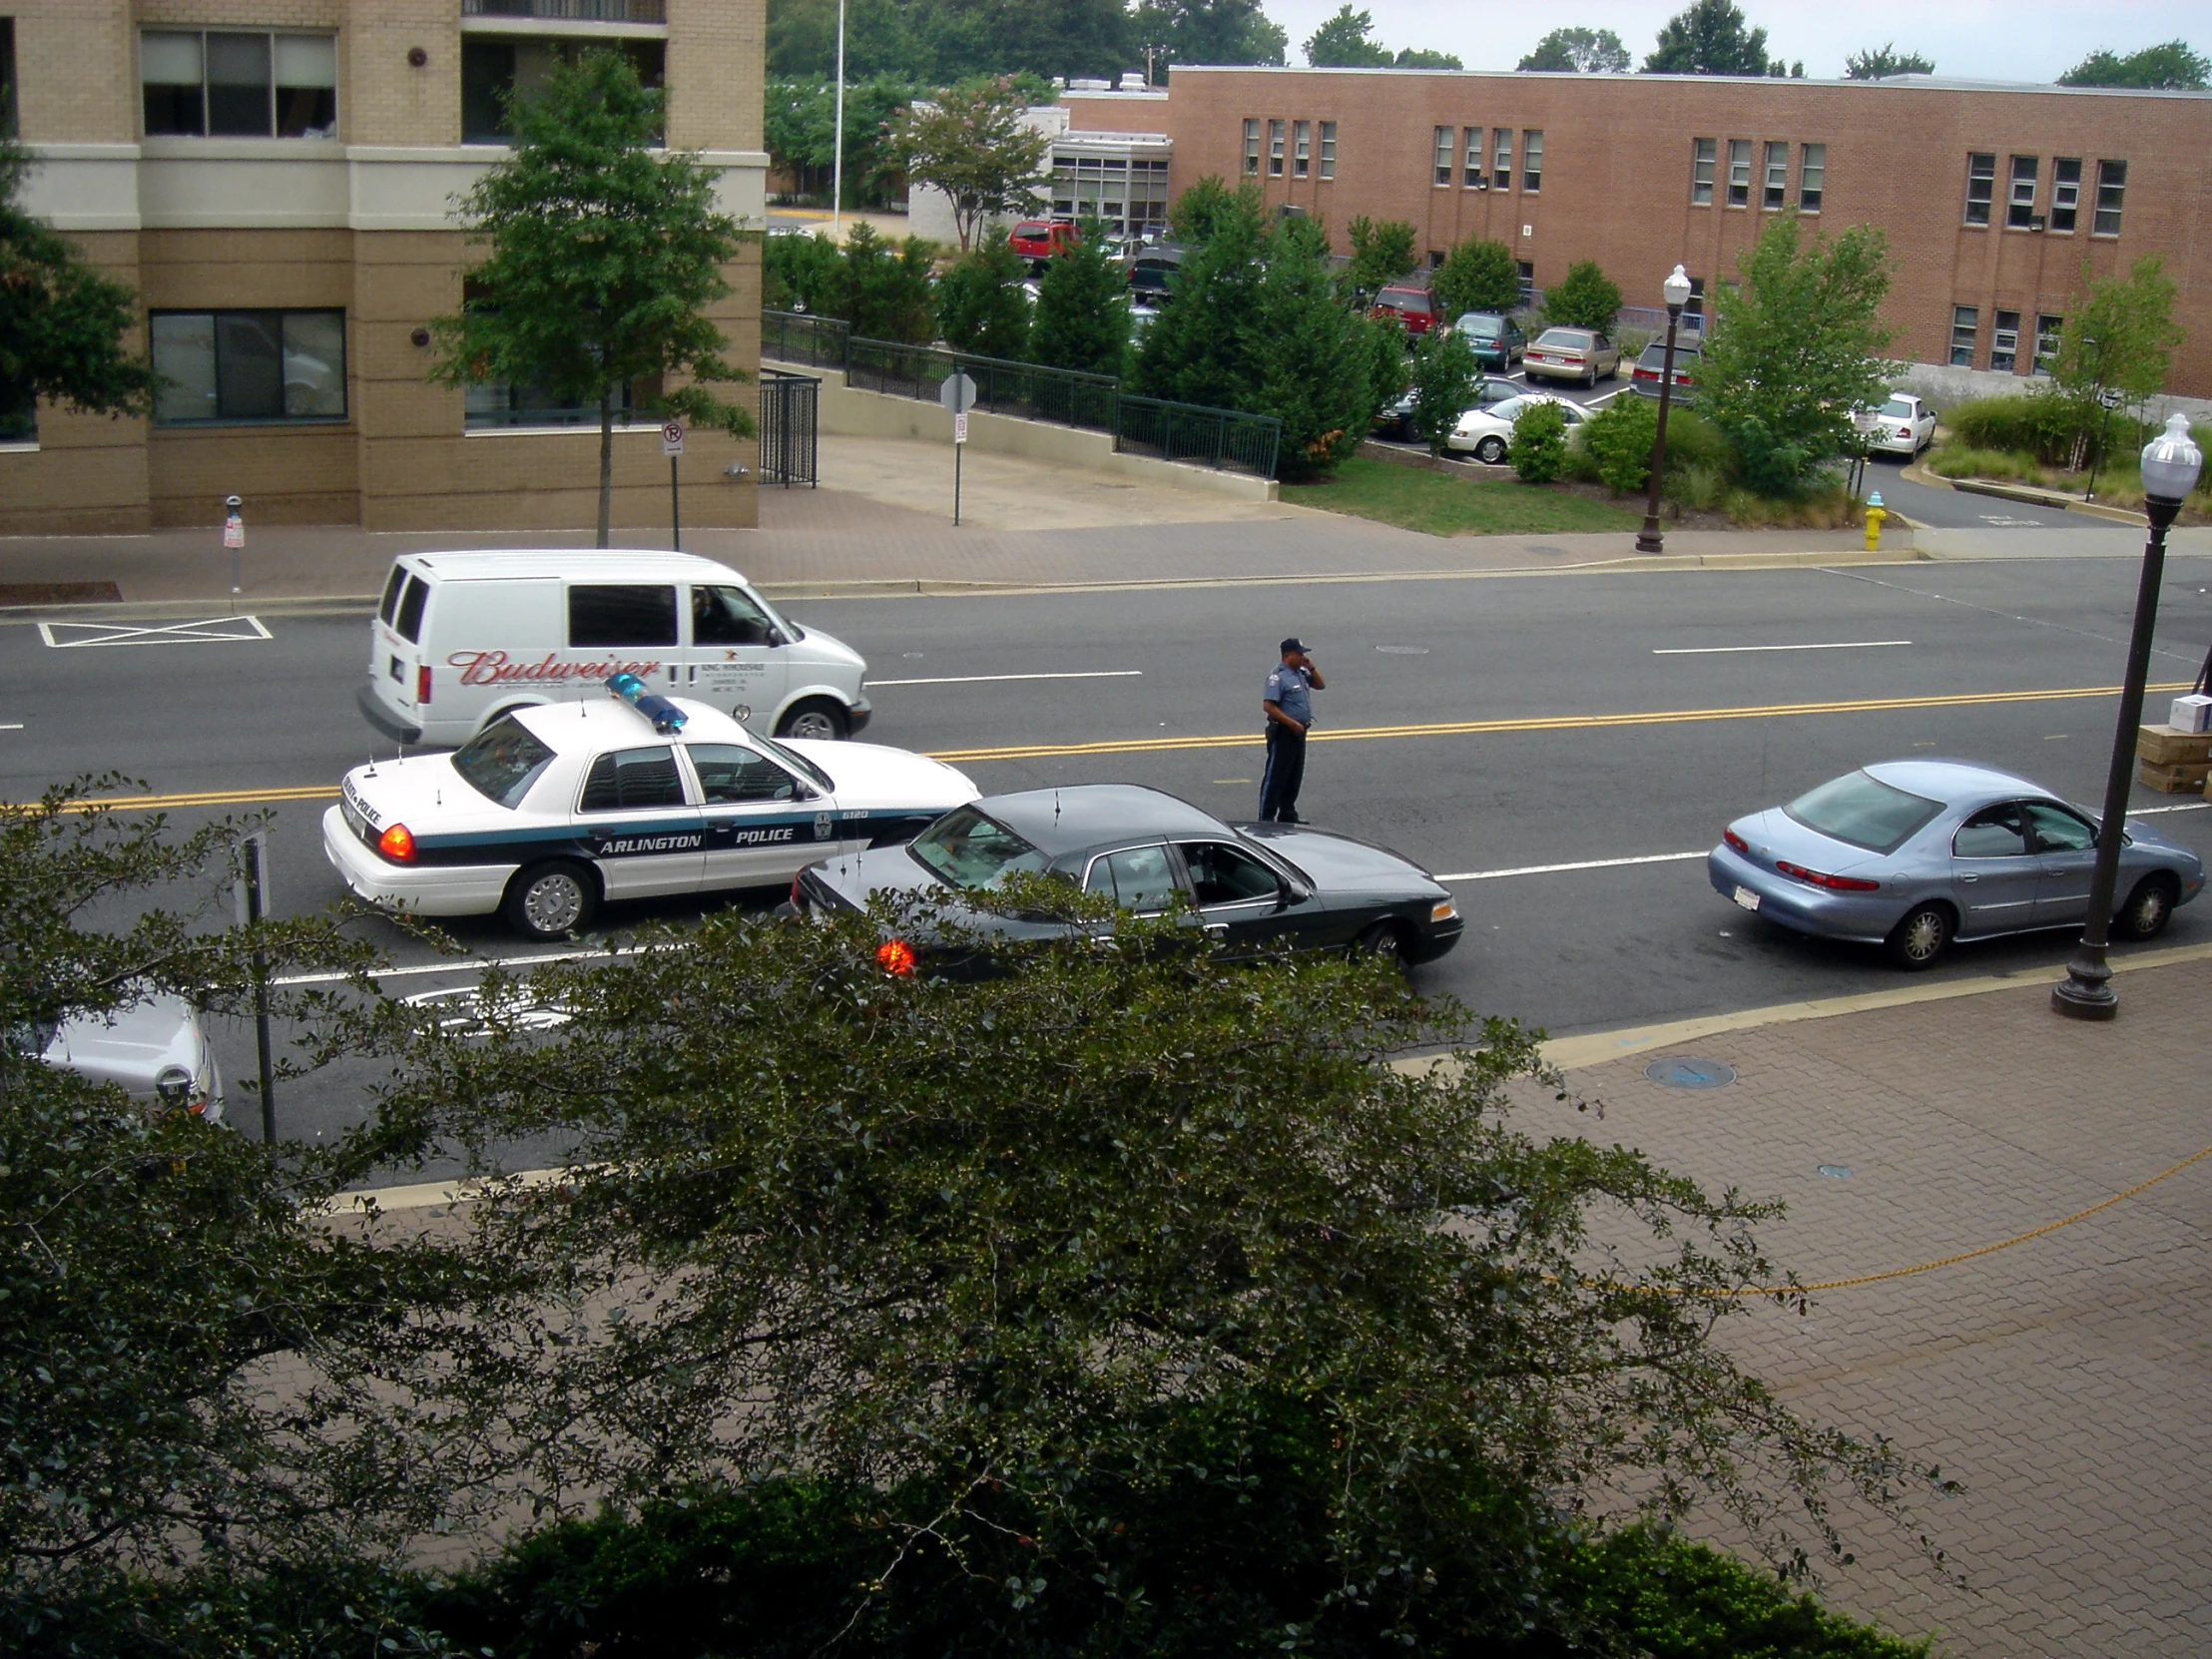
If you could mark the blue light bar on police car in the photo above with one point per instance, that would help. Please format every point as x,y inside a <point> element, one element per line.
<point>667,718</point>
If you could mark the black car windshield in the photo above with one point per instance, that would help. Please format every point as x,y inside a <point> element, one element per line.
<point>969,850</point>
<point>792,758</point>
<point>502,762</point>
<point>1862,810</point>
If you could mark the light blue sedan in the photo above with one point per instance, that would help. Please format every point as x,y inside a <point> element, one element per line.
<point>1912,855</point>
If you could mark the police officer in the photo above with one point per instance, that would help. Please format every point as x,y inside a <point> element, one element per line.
<point>1288,706</point>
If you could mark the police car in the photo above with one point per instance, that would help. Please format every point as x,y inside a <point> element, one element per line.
<point>550,810</point>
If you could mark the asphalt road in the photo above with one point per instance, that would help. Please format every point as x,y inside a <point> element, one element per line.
<point>1658,707</point>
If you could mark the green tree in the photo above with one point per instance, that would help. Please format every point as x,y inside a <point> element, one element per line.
<point>1477,276</point>
<point>2171,67</point>
<point>1618,440</point>
<point>803,273</point>
<point>1347,41</point>
<point>799,128</point>
<point>940,42</point>
<point>2121,340</point>
<point>1538,450</point>
<point>1082,319</point>
<point>887,286</point>
<point>603,259</point>
<point>1793,349</point>
<point>1445,379</point>
<point>1207,205</point>
<point>1709,38</point>
<point>1170,32</point>
<point>63,326</point>
<point>1580,52</point>
<point>1585,298</point>
<point>980,305</point>
<point>973,145</point>
<point>1382,252</point>
<point>1884,60</point>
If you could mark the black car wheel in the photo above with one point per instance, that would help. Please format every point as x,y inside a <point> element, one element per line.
<point>1490,450</point>
<point>1922,938</point>
<point>2148,909</point>
<point>1385,939</point>
<point>551,900</point>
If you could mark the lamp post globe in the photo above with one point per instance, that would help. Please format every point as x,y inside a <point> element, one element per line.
<point>2171,463</point>
<point>1676,292</point>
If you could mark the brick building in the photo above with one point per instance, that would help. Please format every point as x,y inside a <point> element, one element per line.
<point>1995,198</point>
<point>274,179</point>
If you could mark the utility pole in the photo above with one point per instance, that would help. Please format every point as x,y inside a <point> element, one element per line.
<point>836,142</point>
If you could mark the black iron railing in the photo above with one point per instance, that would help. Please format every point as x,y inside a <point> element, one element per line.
<point>1226,440</point>
<point>571,11</point>
<point>789,404</point>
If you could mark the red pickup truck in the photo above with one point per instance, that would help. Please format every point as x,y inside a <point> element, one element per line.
<point>1041,239</point>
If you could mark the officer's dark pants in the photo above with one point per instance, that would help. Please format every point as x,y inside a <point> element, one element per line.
<point>1286,771</point>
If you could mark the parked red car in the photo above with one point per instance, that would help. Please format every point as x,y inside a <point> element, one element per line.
<point>1415,308</point>
<point>1041,239</point>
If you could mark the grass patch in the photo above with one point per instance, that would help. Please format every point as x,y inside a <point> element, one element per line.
<point>1438,504</point>
<point>2119,479</point>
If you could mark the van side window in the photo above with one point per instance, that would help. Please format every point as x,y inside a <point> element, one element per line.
<point>727,616</point>
<point>622,614</point>
<point>392,594</point>
<point>628,779</point>
<point>410,625</point>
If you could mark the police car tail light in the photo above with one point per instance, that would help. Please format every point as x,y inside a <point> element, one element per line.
<point>422,683</point>
<point>667,718</point>
<point>895,957</point>
<point>397,844</point>
<point>1835,883</point>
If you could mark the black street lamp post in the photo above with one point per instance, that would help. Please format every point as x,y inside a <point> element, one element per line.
<point>2170,466</point>
<point>1676,290</point>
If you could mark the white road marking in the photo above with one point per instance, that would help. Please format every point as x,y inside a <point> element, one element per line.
<point>1725,650</point>
<point>11,725</point>
<point>472,965</point>
<point>2185,807</point>
<point>226,630</point>
<point>991,679</point>
<point>1586,863</point>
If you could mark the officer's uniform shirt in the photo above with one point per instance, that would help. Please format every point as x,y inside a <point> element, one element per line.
<point>1290,691</point>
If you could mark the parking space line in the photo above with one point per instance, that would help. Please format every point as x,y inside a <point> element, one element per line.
<point>995,679</point>
<point>222,630</point>
<point>1727,650</point>
<point>1584,863</point>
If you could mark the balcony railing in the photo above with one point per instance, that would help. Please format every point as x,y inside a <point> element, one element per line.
<point>571,11</point>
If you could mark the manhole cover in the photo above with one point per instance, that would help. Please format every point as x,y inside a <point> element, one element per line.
<point>1836,1171</point>
<point>1404,650</point>
<point>1681,1071</point>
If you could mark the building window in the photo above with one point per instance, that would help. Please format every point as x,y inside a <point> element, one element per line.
<point>1502,158</point>
<point>1436,257</point>
<point>1739,173</point>
<point>7,78</point>
<point>2019,202</point>
<point>1471,172</point>
<point>1981,187</point>
<point>1774,193</point>
<point>1963,320</point>
<point>1302,148</point>
<point>2111,187</point>
<point>2049,330</point>
<point>1252,149</point>
<point>2065,192</point>
<point>1274,149</point>
<point>494,71</point>
<point>1703,156</point>
<point>1528,282</point>
<point>1812,177</point>
<point>234,83</point>
<point>1532,158</point>
<point>1128,193</point>
<point>2004,342</point>
<point>1693,307</point>
<point>231,366</point>
<point>1328,150</point>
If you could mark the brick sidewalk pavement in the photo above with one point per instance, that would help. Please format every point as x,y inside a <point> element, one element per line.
<point>2065,1379</point>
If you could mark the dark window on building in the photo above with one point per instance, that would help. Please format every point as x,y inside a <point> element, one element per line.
<point>1251,146</point>
<point>8,128</point>
<point>1739,173</point>
<point>1274,149</point>
<point>1812,177</point>
<point>2048,331</point>
<point>2065,192</point>
<point>2019,200</point>
<point>1963,320</point>
<point>1775,190</point>
<point>622,613</point>
<point>1302,148</point>
<point>2004,342</point>
<point>1440,160</point>
<point>629,779</point>
<point>18,416</point>
<point>1471,172</point>
<point>1436,257</point>
<point>1704,154</point>
<point>1981,188</point>
<point>1328,150</point>
<point>1532,158</point>
<point>1693,308</point>
<point>1502,158</point>
<point>1528,282</point>
<point>2111,188</point>
<point>236,82</point>
<point>496,72</point>
<point>248,365</point>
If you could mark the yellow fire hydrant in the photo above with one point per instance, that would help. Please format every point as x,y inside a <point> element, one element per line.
<point>1875,516</point>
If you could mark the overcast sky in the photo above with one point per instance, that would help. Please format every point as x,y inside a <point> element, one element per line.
<point>1983,40</point>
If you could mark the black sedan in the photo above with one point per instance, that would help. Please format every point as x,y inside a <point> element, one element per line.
<point>1255,887</point>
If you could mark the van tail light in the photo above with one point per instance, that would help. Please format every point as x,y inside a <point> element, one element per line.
<point>1834,883</point>
<point>895,957</point>
<point>422,683</point>
<point>1736,842</point>
<point>397,844</point>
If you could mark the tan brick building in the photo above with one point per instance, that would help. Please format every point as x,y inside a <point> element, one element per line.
<point>274,178</point>
<point>1995,198</point>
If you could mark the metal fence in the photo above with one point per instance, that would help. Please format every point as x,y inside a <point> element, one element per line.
<point>789,411</point>
<point>1225,440</point>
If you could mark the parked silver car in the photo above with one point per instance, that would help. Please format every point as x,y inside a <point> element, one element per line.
<point>1572,354</point>
<point>1912,855</point>
<point>156,1051</point>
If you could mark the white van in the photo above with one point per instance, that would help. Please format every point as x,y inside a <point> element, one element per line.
<point>461,637</point>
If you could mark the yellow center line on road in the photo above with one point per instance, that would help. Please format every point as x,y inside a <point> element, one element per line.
<point>1252,740</point>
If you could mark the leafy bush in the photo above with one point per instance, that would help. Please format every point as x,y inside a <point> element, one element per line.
<point>1585,298</point>
<point>1445,376</point>
<point>1538,451</point>
<point>1694,442</point>
<point>1695,485</point>
<point>886,293</point>
<point>1477,276</point>
<point>2041,424</point>
<point>1618,442</point>
<point>803,273</point>
<point>1082,319</point>
<point>980,305</point>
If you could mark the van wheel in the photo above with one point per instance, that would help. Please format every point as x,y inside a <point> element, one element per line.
<point>818,718</point>
<point>551,900</point>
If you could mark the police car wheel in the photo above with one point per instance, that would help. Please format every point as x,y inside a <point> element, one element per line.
<point>1385,939</point>
<point>815,718</point>
<point>551,900</point>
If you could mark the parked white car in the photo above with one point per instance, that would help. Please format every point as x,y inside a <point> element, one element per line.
<point>1484,432</point>
<point>155,1050</point>
<point>1904,425</point>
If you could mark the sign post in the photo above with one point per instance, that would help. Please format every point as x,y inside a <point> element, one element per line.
<point>672,446</point>
<point>253,908</point>
<point>958,395</point>
<point>234,536</point>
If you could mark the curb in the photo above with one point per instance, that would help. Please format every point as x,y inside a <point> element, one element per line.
<point>2026,495</point>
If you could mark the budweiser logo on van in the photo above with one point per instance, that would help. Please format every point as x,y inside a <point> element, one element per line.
<point>492,668</point>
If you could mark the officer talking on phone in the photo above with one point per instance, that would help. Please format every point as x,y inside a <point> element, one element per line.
<point>1288,706</point>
